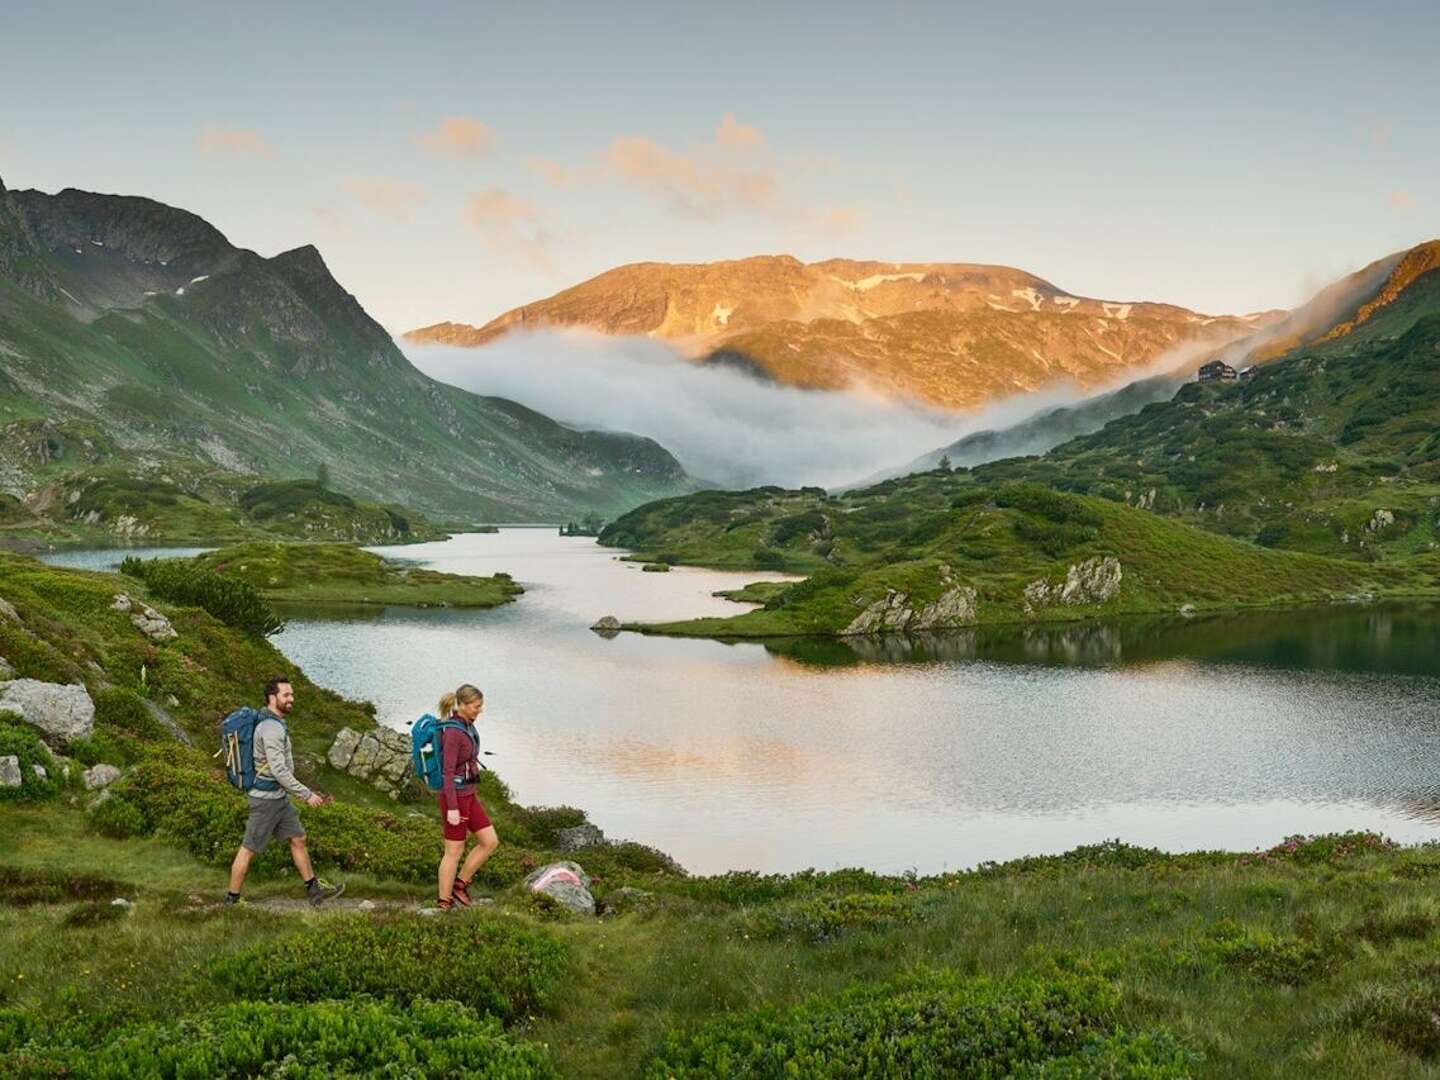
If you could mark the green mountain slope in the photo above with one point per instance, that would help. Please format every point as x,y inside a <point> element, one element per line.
<point>135,335</point>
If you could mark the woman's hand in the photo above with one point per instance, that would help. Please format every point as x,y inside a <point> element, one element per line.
<point>453,817</point>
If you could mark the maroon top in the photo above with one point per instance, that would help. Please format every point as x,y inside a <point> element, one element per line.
<point>459,758</point>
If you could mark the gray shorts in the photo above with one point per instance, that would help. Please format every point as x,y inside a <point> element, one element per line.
<point>270,818</point>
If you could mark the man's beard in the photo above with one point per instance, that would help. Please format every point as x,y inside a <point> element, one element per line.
<point>285,707</point>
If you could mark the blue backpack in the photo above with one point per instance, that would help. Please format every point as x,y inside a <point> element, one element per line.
<point>426,757</point>
<point>237,745</point>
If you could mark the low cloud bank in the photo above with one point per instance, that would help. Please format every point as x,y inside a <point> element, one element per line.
<point>725,427</point>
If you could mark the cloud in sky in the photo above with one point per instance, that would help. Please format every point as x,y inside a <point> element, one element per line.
<point>240,142</point>
<point>552,171</point>
<point>508,225</point>
<point>395,199</point>
<point>459,137</point>
<point>737,136</point>
<point>1400,200</point>
<point>696,182</point>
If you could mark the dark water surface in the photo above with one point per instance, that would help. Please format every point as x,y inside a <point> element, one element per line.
<point>930,753</point>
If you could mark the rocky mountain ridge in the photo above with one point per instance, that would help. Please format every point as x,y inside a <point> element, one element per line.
<point>951,334</point>
<point>135,335</point>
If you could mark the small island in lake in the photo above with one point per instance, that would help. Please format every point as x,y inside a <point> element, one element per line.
<point>346,574</point>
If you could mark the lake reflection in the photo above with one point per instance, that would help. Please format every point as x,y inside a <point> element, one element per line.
<point>933,752</point>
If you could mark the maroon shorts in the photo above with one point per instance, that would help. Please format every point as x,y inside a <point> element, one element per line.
<point>473,817</point>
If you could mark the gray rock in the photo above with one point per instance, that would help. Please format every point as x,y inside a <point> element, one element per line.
<point>362,764</point>
<point>579,837</point>
<point>105,796</point>
<point>8,612</point>
<point>342,750</point>
<point>10,776</point>
<point>1383,519</point>
<point>365,905</point>
<point>1187,610</point>
<point>428,912</point>
<point>955,608</point>
<point>100,776</point>
<point>119,901</point>
<point>153,625</point>
<point>167,721</point>
<point>1093,581</point>
<point>891,612</point>
<point>41,773</point>
<point>565,883</point>
<point>122,603</point>
<point>60,712</point>
<point>607,627</point>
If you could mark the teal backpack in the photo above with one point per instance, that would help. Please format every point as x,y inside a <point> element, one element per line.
<point>425,754</point>
<point>237,746</point>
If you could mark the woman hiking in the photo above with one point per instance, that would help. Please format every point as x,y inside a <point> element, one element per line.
<point>461,811</point>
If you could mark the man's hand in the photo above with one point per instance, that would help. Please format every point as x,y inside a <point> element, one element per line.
<point>317,799</point>
<point>453,817</point>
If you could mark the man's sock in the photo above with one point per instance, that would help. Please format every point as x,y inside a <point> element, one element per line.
<point>312,884</point>
<point>231,897</point>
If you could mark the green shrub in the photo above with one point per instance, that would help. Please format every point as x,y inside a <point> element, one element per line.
<point>936,1024</point>
<point>1053,506</point>
<point>234,602</point>
<point>117,818</point>
<point>768,560</point>
<point>1288,961</point>
<point>358,1040</point>
<point>1323,848</point>
<point>825,918</point>
<point>501,967</point>
<point>266,501</point>
<point>748,887</point>
<point>97,748</point>
<point>1120,1056</point>
<point>24,742</point>
<point>125,712</point>
<point>1109,854</point>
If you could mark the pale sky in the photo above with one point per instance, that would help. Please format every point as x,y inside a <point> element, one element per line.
<point>454,160</point>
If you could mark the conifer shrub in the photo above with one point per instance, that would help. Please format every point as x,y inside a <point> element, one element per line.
<point>117,818</point>
<point>934,1024</point>
<point>359,1040</point>
<point>21,740</point>
<point>500,967</point>
<point>234,602</point>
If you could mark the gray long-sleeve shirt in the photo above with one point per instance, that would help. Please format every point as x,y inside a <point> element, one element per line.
<point>274,759</point>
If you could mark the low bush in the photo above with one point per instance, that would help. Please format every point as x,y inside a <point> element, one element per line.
<point>1108,855</point>
<point>94,913</point>
<point>1284,961</point>
<point>1322,848</point>
<point>1147,1055</point>
<point>101,747</point>
<point>936,1024</point>
<point>504,968</point>
<point>749,887</point>
<point>21,888</point>
<point>25,744</point>
<point>124,712</point>
<point>234,602</point>
<point>118,819</point>
<point>360,1040</point>
<point>825,918</point>
<point>1042,502</point>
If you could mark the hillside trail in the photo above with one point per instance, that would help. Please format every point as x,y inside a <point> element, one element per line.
<point>299,905</point>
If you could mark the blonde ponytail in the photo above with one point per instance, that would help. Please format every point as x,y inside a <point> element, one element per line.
<point>462,696</point>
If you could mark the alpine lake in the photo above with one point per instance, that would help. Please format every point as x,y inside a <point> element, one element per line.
<point>893,754</point>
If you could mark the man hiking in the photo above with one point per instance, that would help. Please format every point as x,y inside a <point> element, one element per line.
<point>271,812</point>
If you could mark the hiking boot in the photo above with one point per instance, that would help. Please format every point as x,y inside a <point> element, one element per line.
<point>444,906</point>
<point>321,890</point>
<point>236,901</point>
<point>461,892</point>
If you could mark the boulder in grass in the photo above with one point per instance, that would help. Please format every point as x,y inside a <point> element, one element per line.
<point>566,884</point>
<point>10,775</point>
<point>579,837</point>
<point>62,713</point>
<point>100,776</point>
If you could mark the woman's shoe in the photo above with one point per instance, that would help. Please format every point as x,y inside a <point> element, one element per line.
<point>461,892</point>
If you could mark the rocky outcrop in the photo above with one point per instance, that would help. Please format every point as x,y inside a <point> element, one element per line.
<point>579,838</point>
<point>608,626</point>
<point>1094,581</point>
<point>895,612</point>
<point>146,619</point>
<point>566,884</point>
<point>1383,519</point>
<point>380,757</point>
<point>10,776</point>
<point>62,713</point>
<point>100,776</point>
<point>8,612</point>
